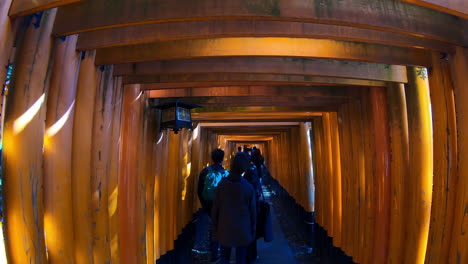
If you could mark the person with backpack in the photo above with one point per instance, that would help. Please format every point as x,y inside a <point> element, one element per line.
<point>234,213</point>
<point>207,183</point>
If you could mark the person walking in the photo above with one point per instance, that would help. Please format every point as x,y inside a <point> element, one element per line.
<point>253,176</point>
<point>234,212</point>
<point>209,179</point>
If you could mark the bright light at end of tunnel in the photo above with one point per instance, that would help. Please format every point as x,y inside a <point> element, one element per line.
<point>21,122</point>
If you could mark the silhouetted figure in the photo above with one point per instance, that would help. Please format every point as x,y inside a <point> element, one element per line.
<point>234,212</point>
<point>208,181</point>
<point>253,176</point>
<point>239,149</point>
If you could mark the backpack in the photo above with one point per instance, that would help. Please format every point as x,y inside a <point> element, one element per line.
<point>212,180</point>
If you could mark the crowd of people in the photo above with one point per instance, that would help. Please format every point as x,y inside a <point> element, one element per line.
<point>232,200</point>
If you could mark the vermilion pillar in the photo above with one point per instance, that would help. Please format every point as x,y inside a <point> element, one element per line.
<point>382,173</point>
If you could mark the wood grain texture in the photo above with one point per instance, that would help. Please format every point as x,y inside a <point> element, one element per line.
<point>22,154</point>
<point>454,7</point>
<point>260,65</point>
<point>58,152</point>
<point>81,158</point>
<point>27,7</point>
<point>147,33</point>
<point>131,118</point>
<point>100,165</point>
<point>113,176</point>
<point>382,173</point>
<point>384,15</point>
<point>445,160</point>
<point>399,165</point>
<point>459,244</point>
<point>265,47</point>
<point>419,186</point>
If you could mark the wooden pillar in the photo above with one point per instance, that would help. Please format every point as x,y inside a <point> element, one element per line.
<point>81,158</point>
<point>128,174</point>
<point>398,121</point>
<point>100,165</point>
<point>329,205</point>
<point>308,186</point>
<point>419,187</point>
<point>142,161</point>
<point>113,176</point>
<point>370,202</point>
<point>23,143</point>
<point>346,176</point>
<point>150,153</point>
<point>318,171</point>
<point>459,244</point>
<point>337,209</point>
<point>445,160</point>
<point>382,173</point>
<point>58,153</point>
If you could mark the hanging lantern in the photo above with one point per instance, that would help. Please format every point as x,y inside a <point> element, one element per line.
<point>176,116</point>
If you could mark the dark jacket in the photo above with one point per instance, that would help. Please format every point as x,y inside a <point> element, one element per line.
<point>234,212</point>
<point>252,175</point>
<point>206,205</point>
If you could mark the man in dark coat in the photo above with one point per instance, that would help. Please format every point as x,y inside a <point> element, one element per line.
<point>234,212</point>
<point>217,157</point>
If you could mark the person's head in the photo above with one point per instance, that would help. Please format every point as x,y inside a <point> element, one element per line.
<point>257,158</point>
<point>239,149</point>
<point>254,148</point>
<point>240,163</point>
<point>217,156</point>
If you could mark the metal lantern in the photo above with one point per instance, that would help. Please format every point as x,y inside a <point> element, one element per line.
<point>176,116</point>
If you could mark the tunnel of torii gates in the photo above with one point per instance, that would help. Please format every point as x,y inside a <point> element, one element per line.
<point>359,106</point>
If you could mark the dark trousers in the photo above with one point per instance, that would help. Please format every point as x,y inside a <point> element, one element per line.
<point>214,245</point>
<point>252,252</point>
<point>241,255</point>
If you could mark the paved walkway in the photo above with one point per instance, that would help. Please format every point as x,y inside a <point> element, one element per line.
<point>277,251</point>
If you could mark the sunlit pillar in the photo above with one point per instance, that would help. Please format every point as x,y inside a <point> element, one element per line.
<point>24,136</point>
<point>81,158</point>
<point>100,165</point>
<point>113,176</point>
<point>58,206</point>
<point>445,160</point>
<point>459,244</point>
<point>418,189</point>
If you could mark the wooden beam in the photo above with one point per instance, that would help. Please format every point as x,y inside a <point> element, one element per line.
<point>386,15</point>
<point>324,92</point>
<point>253,116</point>
<point>260,109</point>
<point>296,66</point>
<point>321,104</point>
<point>265,47</point>
<point>147,33</point>
<point>240,79</point>
<point>453,7</point>
<point>27,7</point>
